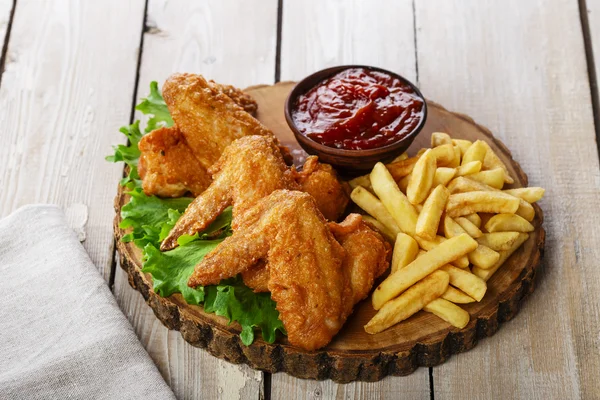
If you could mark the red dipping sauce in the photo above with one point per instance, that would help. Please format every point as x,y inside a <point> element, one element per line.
<point>358,109</point>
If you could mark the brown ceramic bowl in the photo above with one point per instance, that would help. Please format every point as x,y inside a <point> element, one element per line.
<point>350,162</point>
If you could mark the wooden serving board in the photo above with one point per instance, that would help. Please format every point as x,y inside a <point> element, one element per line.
<point>422,340</point>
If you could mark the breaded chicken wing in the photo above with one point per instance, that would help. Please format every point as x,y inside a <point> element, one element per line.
<point>250,169</point>
<point>306,277</point>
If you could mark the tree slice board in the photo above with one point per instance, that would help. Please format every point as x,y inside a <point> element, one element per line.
<point>422,340</point>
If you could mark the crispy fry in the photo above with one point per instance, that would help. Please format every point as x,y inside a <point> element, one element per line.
<point>493,177</point>
<point>393,199</point>
<point>401,157</point>
<point>443,154</point>
<point>421,178</point>
<point>442,176</point>
<point>461,262</point>
<point>483,257</point>
<point>371,204</point>
<point>466,281</point>
<point>508,223</point>
<point>457,296</point>
<point>455,163</point>
<point>429,217</point>
<point>492,161</point>
<point>449,312</point>
<point>472,202</point>
<point>405,251</point>
<point>498,241</point>
<point>470,168</point>
<point>444,253</point>
<point>384,230</point>
<point>440,138</point>
<point>475,219</point>
<point>528,194</point>
<point>452,228</point>
<point>486,274</point>
<point>364,181</point>
<point>403,183</point>
<point>400,169</point>
<point>475,152</point>
<point>462,144</point>
<point>469,227</point>
<point>525,210</point>
<point>409,302</point>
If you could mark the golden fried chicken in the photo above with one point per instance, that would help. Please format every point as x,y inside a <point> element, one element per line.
<point>208,118</point>
<point>250,169</point>
<point>306,278</point>
<point>321,181</point>
<point>367,254</point>
<point>168,167</point>
<point>240,98</point>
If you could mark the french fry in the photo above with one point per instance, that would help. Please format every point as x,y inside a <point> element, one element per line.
<point>469,227</point>
<point>498,241</point>
<point>457,296</point>
<point>401,157</point>
<point>483,257</point>
<point>525,210</point>
<point>486,274</point>
<point>452,228</point>
<point>455,163</point>
<point>462,144</point>
<point>528,194</point>
<point>444,154</point>
<point>364,181</point>
<point>493,177</point>
<point>384,230</point>
<point>469,283</point>
<point>473,202</point>
<point>371,204</point>
<point>440,138</point>
<point>393,199</point>
<point>428,245</point>
<point>421,178</point>
<point>409,302</point>
<point>419,208</point>
<point>429,217</point>
<point>406,250</point>
<point>475,152</point>
<point>475,219</point>
<point>449,312</point>
<point>446,252</point>
<point>470,168</point>
<point>400,169</point>
<point>443,175</point>
<point>508,223</point>
<point>492,161</point>
<point>403,183</point>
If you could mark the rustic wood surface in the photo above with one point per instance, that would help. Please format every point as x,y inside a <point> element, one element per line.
<point>421,341</point>
<point>518,67</point>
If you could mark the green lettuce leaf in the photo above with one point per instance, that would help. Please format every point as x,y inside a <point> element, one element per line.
<point>150,217</point>
<point>155,105</point>
<point>236,302</point>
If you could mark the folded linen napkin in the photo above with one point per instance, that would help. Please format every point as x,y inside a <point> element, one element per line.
<point>62,334</point>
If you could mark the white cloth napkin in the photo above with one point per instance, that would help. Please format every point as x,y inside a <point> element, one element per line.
<point>62,334</point>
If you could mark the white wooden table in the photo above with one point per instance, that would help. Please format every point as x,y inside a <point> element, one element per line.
<point>72,71</point>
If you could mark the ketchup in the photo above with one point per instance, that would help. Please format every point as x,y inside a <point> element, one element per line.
<point>358,109</point>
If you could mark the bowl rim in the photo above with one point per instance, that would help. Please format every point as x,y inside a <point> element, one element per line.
<point>326,73</point>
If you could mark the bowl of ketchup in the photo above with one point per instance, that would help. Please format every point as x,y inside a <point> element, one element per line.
<point>354,116</point>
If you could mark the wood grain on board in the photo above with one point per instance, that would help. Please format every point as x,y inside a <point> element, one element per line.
<point>66,89</point>
<point>231,42</point>
<point>520,69</point>
<point>354,355</point>
<point>317,34</point>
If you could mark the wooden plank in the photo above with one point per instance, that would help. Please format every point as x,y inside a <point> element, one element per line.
<point>232,42</point>
<point>520,69</point>
<point>5,12</point>
<point>67,86</point>
<point>317,34</point>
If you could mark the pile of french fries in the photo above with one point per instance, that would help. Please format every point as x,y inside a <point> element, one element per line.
<point>452,224</point>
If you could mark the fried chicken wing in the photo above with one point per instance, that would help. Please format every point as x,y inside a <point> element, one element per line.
<point>249,169</point>
<point>321,181</point>
<point>168,167</point>
<point>208,118</point>
<point>306,278</point>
